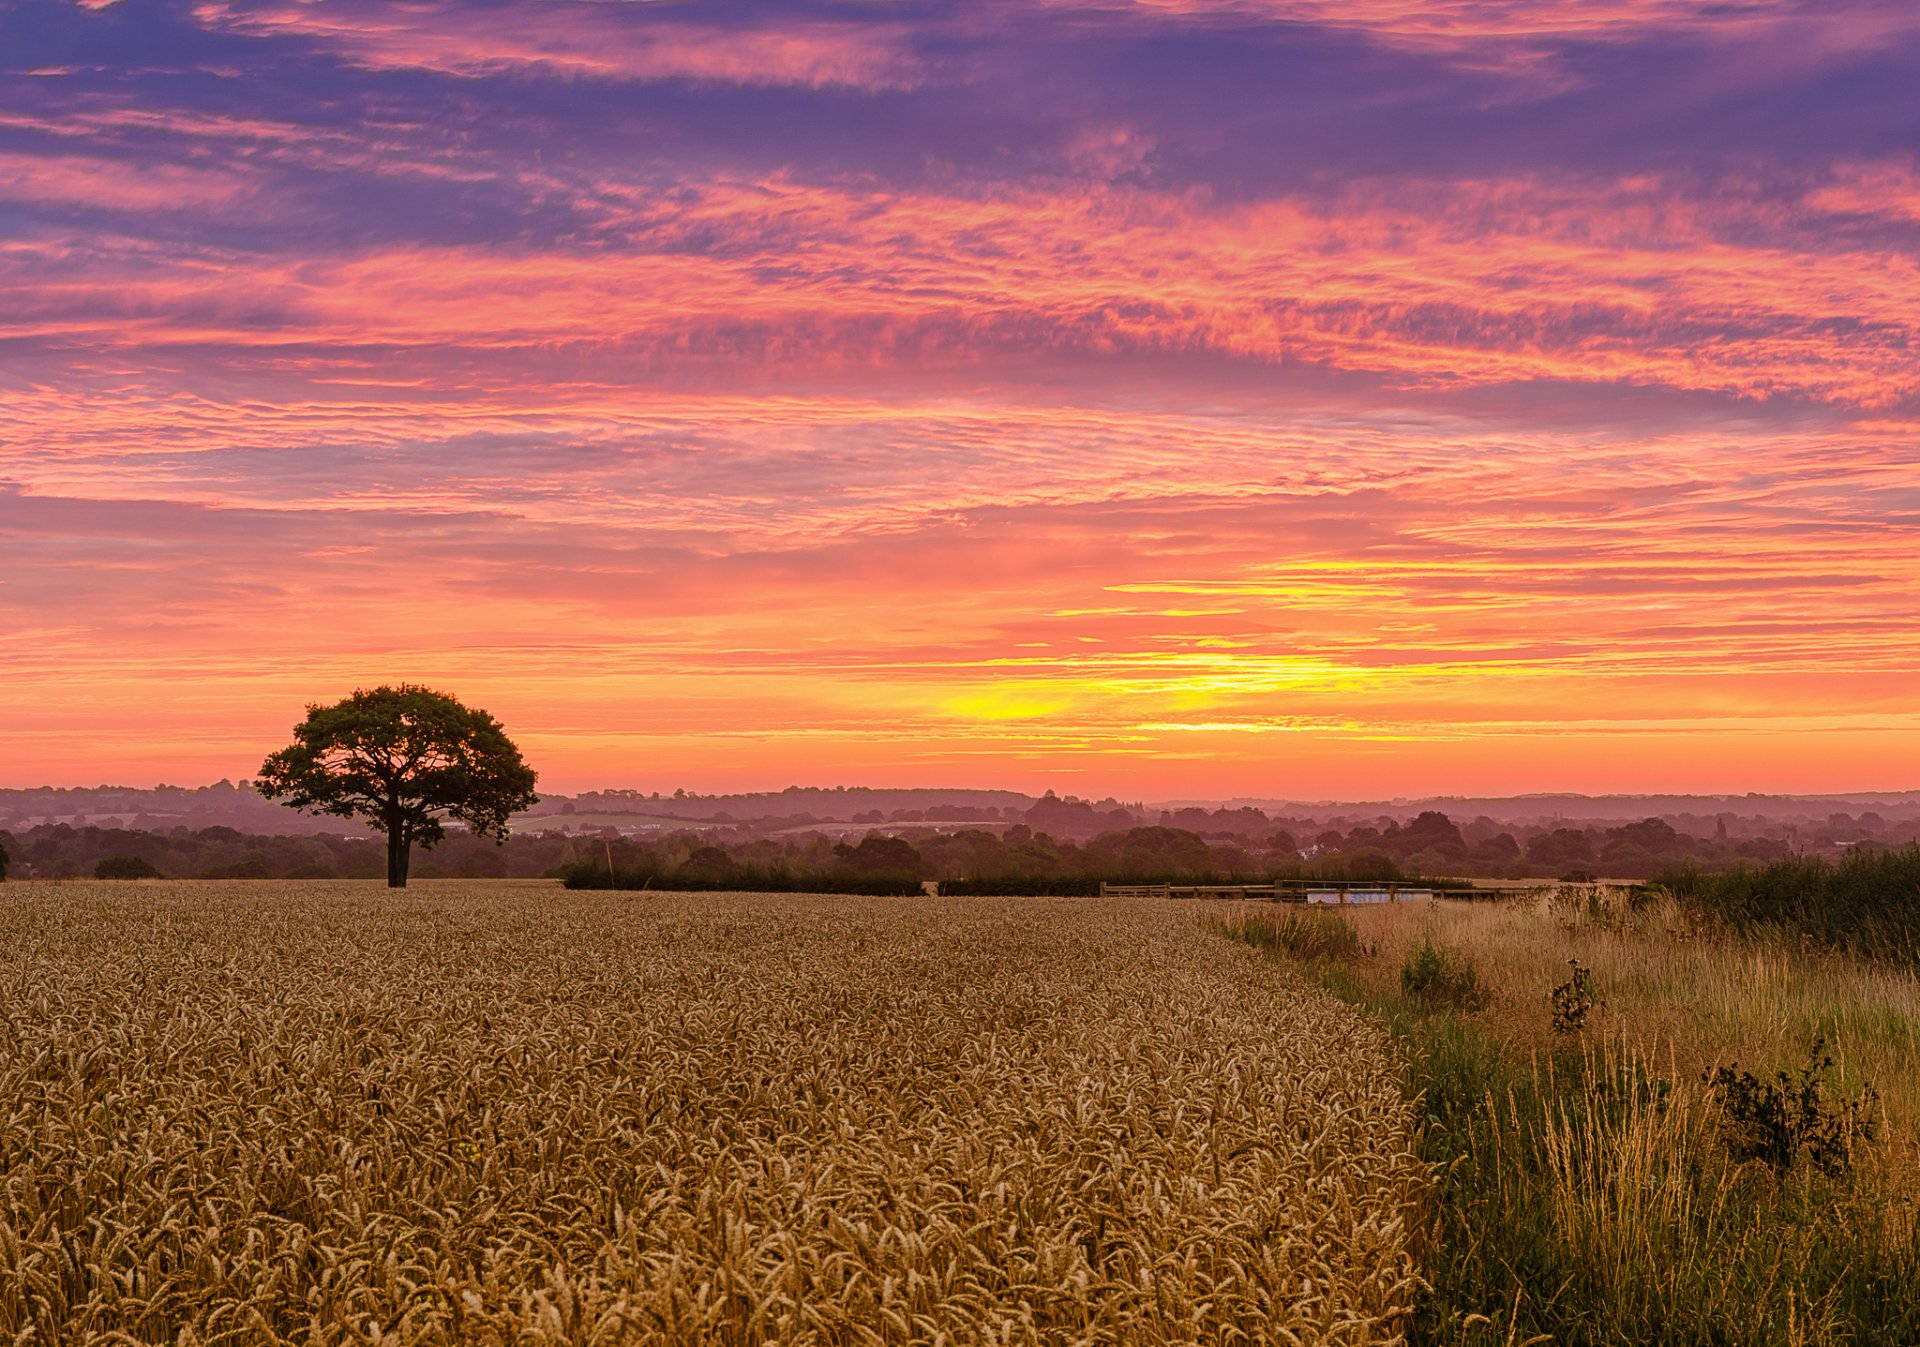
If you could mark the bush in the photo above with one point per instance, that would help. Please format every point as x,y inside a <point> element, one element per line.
<point>248,867</point>
<point>1869,903</point>
<point>1437,980</point>
<point>592,874</point>
<point>1776,1120</point>
<point>1020,886</point>
<point>127,867</point>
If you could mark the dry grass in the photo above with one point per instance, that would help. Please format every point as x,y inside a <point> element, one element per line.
<point>498,1113</point>
<point>1679,995</point>
<point>1589,1193</point>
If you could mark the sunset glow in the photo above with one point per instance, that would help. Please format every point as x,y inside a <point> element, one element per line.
<point>1161,398</point>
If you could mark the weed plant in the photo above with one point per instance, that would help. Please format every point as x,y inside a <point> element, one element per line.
<point>1436,979</point>
<point>1573,1000</point>
<point>1779,1121</point>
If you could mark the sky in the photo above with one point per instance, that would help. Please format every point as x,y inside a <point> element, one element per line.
<point>1310,398</point>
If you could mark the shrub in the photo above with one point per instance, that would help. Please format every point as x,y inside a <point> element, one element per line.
<point>593,874</point>
<point>1573,1000</point>
<point>127,867</point>
<point>1438,980</point>
<point>1868,903</point>
<point>247,867</point>
<point>1776,1120</point>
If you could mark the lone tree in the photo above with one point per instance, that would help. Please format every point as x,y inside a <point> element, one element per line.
<point>402,758</point>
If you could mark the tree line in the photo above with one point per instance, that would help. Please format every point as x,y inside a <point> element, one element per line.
<point>419,767</point>
<point>62,851</point>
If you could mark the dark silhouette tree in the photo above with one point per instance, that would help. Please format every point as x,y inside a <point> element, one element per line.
<point>5,859</point>
<point>880,857</point>
<point>127,867</point>
<point>402,758</point>
<point>1562,846</point>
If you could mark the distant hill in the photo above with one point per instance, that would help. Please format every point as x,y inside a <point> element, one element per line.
<point>1567,807</point>
<point>824,802</point>
<point>160,808</point>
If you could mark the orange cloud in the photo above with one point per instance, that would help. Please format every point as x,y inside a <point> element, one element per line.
<point>1412,286</point>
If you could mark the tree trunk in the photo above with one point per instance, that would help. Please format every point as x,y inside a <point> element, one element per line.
<point>399,854</point>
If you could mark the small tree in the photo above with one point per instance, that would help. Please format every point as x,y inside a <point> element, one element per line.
<point>5,859</point>
<point>402,758</point>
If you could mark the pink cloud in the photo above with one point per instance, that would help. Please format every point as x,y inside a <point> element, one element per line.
<point>1422,287</point>
<point>103,184</point>
<point>585,37</point>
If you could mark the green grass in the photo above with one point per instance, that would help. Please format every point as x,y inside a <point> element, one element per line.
<point>1584,1195</point>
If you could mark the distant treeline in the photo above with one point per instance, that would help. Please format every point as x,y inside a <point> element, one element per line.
<point>1220,846</point>
<point>61,851</point>
<point>1197,846</point>
<point>969,861</point>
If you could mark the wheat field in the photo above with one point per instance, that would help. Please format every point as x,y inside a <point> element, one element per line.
<point>503,1113</point>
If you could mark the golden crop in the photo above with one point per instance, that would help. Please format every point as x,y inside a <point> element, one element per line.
<point>506,1113</point>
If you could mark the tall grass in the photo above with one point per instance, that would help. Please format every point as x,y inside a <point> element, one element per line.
<point>1867,903</point>
<point>1300,934</point>
<point>1585,1191</point>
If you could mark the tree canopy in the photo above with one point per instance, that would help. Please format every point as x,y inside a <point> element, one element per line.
<point>127,867</point>
<point>403,759</point>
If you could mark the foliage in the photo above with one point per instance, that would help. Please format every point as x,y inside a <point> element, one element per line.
<point>127,867</point>
<point>5,858</point>
<point>969,861</point>
<point>480,1115</point>
<point>1439,980</point>
<point>1573,1000</point>
<point>703,876</point>
<point>62,851</point>
<point>402,759</point>
<point>1778,1120</point>
<point>1868,903</point>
